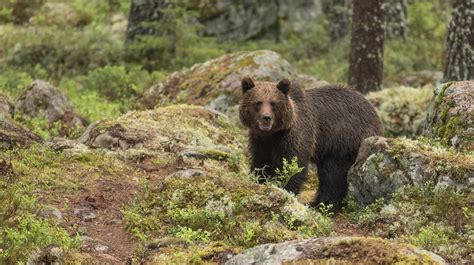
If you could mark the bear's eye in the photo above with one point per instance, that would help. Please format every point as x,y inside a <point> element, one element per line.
<point>258,103</point>
<point>273,104</point>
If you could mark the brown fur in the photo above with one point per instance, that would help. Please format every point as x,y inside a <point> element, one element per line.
<point>322,125</point>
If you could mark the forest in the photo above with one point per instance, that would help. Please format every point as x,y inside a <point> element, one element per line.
<point>121,143</point>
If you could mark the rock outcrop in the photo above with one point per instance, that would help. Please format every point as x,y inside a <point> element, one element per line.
<point>41,99</point>
<point>385,165</point>
<point>6,106</point>
<point>216,83</point>
<point>402,110</point>
<point>230,20</point>
<point>12,134</point>
<point>336,250</point>
<point>451,115</point>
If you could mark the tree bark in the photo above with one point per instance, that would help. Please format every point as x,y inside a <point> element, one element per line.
<point>460,56</point>
<point>395,18</point>
<point>366,52</point>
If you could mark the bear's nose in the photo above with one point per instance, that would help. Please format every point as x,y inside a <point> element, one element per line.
<point>267,118</point>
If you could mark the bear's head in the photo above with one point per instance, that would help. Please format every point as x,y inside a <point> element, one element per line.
<point>266,107</point>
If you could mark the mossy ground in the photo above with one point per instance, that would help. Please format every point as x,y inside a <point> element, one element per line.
<point>219,210</point>
<point>435,217</point>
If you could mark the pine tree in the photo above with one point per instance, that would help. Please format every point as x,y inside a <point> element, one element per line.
<point>460,56</point>
<point>366,52</point>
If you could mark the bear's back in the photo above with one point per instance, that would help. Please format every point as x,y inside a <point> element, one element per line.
<point>343,116</point>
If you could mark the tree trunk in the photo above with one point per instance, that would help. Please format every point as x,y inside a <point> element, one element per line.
<point>340,15</point>
<point>395,17</point>
<point>366,52</point>
<point>460,56</point>
<point>143,13</point>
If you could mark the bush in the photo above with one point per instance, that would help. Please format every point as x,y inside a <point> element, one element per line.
<point>59,51</point>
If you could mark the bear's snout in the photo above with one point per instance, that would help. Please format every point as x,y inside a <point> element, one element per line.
<point>265,122</point>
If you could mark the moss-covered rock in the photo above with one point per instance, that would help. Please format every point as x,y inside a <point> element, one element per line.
<point>13,134</point>
<point>337,250</point>
<point>451,115</point>
<point>41,100</point>
<point>177,129</point>
<point>6,106</point>
<point>402,110</point>
<point>384,165</point>
<point>216,83</point>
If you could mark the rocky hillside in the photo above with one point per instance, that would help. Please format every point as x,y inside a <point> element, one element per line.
<point>170,183</point>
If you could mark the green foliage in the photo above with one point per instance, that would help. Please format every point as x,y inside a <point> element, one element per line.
<point>282,176</point>
<point>433,237</point>
<point>59,51</point>
<point>176,43</point>
<point>190,235</point>
<point>13,81</point>
<point>118,83</point>
<point>236,212</point>
<point>436,218</point>
<point>22,232</point>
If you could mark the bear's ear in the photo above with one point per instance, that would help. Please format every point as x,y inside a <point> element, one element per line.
<point>284,86</point>
<point>247,84</point>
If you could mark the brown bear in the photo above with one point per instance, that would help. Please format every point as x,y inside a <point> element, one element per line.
<point>323,125</point>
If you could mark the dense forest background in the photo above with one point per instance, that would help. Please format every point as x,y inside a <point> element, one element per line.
<point>80,46</point>
<point>120,141</point>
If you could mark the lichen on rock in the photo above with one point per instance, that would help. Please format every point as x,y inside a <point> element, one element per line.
<point>216,83</point>
<point>385,165</point>
<point>451,115</point>
<point>337,250</point>
<point>402,110</point>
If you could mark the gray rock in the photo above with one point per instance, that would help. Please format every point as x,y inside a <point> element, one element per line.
<point>52,212</point>
<point>230,19</point>
<point>42,97</point>
<point>385,165</point>
<point>451,115</point>
<point>307,82</point>
<point>85,214</point>
<point>422,78</point>
<point>6,106</point>
<point>101,248</point>
<point>357,250</point>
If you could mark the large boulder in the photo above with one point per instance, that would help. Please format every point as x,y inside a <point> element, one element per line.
<point>402,110</point>
<point>13,134</point>
<point>385,165</point>
<point>451,115</point>
<point>216,83</point>
<point>336,250</point>
<point>41,99</point>
<point>6,106</point>
<point>152,131</point>
<point>228,19</point>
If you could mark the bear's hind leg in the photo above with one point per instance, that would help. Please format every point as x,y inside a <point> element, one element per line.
<point>332,173</point>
